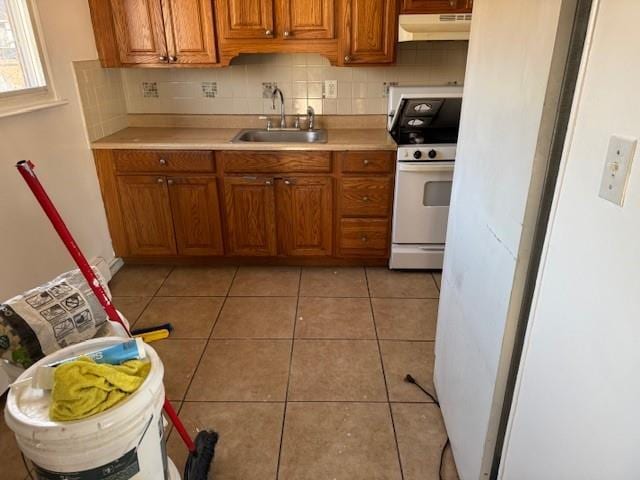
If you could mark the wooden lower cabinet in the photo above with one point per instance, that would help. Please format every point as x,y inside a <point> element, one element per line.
<point>196,215</point>
<point>146,214</point>
<point>305,215</point>
<point>250,213</point>
<point>303,208</point>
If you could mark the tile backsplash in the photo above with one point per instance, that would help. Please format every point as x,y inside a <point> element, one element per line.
<point>103,100</point>
<point>305,79</point>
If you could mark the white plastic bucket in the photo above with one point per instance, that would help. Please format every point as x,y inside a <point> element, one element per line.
<point>124,442</point>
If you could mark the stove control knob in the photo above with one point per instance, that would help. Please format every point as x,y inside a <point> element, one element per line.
<point>417,154</point>
<point>432,154</point>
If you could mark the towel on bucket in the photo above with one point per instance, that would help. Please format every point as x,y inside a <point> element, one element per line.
<point>83,388</point>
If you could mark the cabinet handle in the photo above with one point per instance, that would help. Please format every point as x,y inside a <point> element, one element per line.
<point>347,58</point>
<point>162,58</point>
<point>170,181</point>
<point>286,33</point>
<point>365,199</point>
<point>365,161</point>
<point>173,58</point>
<point>163,161</point>
<point>268,33</point>
<point>160,180</point>
<point>364,238</point>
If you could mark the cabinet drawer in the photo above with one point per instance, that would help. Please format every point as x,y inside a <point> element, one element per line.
<point>364,236</point>
<point>366,196</point>
<point>162,161</point>
<point>367,162</point>
<point>273,162</point>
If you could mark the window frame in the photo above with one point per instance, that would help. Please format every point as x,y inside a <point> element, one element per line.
<point>32,98</point>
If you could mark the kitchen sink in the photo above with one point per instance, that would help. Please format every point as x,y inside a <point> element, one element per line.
<point>280,136</point>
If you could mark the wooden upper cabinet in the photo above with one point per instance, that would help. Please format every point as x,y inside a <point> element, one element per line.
<point>436,6</point>
<point>305,215</point>
<point>370,30</point>
<point>250,214</point>
<point>139,31</point>
<point>245,18</point>
<point>189,31</point>
<point>196,215</point>
<point>307,19</point>
<point>146,215</point>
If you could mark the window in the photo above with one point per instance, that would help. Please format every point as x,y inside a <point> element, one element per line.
<point>24,82</point>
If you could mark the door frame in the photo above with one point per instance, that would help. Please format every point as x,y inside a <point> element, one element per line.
<point>564,77</point>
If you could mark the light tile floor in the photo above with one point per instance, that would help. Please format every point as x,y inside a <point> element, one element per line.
<point>300,370</point>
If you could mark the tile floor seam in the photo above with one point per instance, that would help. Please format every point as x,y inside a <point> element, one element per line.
<point>173,267</point>
<point>206,345</point>
<point>386,386</point>
<point>286,395</point>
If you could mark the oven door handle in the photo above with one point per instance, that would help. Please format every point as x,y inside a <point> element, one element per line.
<point>424,167</point>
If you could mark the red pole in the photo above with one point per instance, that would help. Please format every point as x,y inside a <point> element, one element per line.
<point>26,169</point>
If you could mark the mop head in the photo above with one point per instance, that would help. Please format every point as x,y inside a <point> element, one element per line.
<point>199,463</point>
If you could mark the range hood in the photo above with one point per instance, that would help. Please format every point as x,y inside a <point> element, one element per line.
<point>450,26</point>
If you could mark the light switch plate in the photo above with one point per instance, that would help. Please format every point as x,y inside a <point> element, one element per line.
<point>330,89</point>
<point>616,169</point>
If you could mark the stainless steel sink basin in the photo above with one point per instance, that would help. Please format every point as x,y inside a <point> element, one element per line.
<point>280,136</point>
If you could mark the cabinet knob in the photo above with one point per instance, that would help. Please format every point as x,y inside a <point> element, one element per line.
<point>268,33</point>
<point>364,238</point>
<point>163,161</point>
<point>173,58</point>
<point>160,180</point>
<point>170,181</point>
<point>267,182</point>
<point>365,161</point>
<point>162,58</point>
<point>287,182</point>
<point>365,199</point>
<point>347,58</point>
<point>286,33</point>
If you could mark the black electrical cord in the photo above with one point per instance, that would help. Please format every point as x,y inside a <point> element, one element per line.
<point>409,379</point>
<point>24,461</point>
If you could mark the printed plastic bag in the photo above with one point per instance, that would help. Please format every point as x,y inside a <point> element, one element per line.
<point>52,316</point>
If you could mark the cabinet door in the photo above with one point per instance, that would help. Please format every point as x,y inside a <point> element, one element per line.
<point>436,6</point>
<point>308,19</point>
<point>189,27</point>
<point>139,31</point>
<point>196,215</point>
<point>250,214</point>
<point>370,30</point>
<point>305,215</point>
<point>146,214</point>
<point>245,18</point>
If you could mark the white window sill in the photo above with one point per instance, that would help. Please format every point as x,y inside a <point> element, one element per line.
<point>20,109</point>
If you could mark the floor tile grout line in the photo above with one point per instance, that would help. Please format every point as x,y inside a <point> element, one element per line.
<point>282,402</point>
<point>206,345</point>
<point>384,377</point>
<point>286,394</point>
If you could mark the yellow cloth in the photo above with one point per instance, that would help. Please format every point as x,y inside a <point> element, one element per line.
<point>83,388</point>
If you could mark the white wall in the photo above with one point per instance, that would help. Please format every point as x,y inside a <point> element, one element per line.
<point>55,140</point>
<point>494,200</point>
<point>576,410</point>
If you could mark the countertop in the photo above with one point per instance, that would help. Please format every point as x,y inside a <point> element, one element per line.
<point>187,138</point>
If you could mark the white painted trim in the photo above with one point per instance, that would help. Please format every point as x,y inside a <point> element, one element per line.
<point>19,109</point>
<point>115,265</point>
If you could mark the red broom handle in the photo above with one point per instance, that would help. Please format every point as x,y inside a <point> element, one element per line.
<point>26,169</point>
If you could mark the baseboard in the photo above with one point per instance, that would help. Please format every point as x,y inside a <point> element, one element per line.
<point>115,265</point>
<point>107,269</point>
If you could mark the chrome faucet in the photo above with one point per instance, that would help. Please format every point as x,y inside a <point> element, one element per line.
<point>276,91</point>
<point>311,115</point>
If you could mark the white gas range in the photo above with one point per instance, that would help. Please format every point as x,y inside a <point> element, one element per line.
<point>424,122</point>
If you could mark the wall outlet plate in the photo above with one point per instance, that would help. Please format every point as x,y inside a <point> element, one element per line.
<point>617,166</point>
<point>330,89</point>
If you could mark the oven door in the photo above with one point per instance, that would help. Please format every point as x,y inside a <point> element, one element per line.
<point>422,197</point>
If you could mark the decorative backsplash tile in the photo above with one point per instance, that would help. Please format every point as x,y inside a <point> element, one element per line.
<point>245,86</point>
<point>150,89</point>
